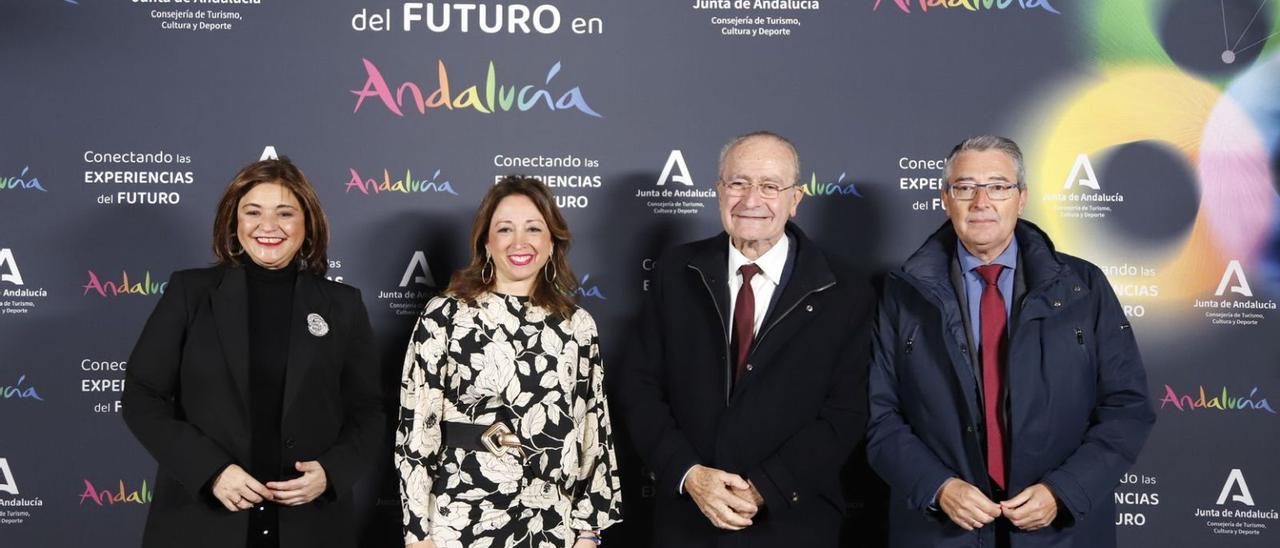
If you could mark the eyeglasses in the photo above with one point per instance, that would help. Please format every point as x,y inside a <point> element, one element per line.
<point>738,189</point>
<point>995,191</point>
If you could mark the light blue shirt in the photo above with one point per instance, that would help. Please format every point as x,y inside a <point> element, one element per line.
<point>974,284</point>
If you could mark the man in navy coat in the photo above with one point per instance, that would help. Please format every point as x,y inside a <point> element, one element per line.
<point>1007,393</point>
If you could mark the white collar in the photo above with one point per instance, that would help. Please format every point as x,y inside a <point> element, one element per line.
<point>771,263</point>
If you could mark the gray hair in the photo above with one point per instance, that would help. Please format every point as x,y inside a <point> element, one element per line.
<point>981,143</point>
<point>724,151</point>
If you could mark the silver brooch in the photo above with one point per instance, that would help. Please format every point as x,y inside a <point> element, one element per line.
<point>316,325</point>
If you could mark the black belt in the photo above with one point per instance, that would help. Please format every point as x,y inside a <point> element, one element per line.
<point>496,438</point>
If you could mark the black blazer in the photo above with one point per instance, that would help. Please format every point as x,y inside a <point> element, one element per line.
<point>788,424</point>
<point>186,398</point>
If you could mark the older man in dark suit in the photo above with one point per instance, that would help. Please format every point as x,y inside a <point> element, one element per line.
<point>1007,393</point>
<point>746,391</point>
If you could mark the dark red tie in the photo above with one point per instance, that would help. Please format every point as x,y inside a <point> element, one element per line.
<point>744,318</point>
<point>992,317</point>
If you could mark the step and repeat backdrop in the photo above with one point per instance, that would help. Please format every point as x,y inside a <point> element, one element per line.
<point>1151,128</point>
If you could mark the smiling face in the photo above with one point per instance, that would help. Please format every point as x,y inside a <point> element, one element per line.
<point>755,223</point>
<point>984,226</point>
<point>270,225</point>
<point>519,244</point>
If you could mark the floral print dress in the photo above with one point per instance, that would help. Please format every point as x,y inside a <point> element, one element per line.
<point>502,358</point>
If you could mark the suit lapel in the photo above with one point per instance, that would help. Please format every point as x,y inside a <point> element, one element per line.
<point>231,315</point>
<point>712,263</point>
<point>305,338</point>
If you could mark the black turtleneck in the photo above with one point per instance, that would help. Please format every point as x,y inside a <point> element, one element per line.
<point>270,310</point>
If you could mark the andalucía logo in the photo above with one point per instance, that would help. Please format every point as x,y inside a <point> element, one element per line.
<point>20,299</point>
<point>9,486</point>
<point>496,96</point>
<point>1236,304</point>
<point>21,182</point>
<point>1223,401</point>
<point>144,286</point>
<point>19,391</point>
<point>403,185</point>
<point>1235,512</point>
<point>838,188</point>
<point>971,5</point>
<point>1082,196</point>
<point>589,291</point>
<point>416,286</point>
<point>108,497</point>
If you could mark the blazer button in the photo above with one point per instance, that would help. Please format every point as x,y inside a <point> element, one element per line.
<point>969,429</point>
<point>750,367</point>
<point>964,349</point>
<point>289,443</point>
<point>795,497</point>
<point>808,308</point>
<point>1057,304</point>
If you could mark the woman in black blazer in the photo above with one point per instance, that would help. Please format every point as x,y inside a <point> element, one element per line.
<point>254,383</point>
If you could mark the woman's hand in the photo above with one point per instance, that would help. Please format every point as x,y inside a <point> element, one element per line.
<point>237,490</point>
<point>422,544</point>
<point>586,542</point>
<point>300,490</point>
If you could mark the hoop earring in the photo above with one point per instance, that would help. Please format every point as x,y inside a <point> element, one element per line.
<point>488,262</point>
<point>551,279</point>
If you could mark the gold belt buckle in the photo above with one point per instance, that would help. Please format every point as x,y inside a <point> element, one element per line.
<point>498,438</point>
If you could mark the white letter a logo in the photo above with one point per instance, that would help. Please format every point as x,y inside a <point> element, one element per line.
<point>1090,180</point>
<point>269,153</point>
<point>675,161</point>
<point>7,485</point>
<point>12,276</point>
<point>1236,478</point>
<point>418,264</point>
<point>1234,269</point>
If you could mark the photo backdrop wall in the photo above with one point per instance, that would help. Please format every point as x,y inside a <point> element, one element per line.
<point>1151,128</point>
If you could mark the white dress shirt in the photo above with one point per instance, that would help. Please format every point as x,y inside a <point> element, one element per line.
<point>763,284</point>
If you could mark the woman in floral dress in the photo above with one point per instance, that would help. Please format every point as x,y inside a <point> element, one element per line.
<point>504,436</point>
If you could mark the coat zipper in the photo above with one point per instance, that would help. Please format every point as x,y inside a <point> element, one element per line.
<point>723,328</point>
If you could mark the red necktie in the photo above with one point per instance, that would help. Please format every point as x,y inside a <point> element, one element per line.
<point>992,318</point>
<point>744,318</point>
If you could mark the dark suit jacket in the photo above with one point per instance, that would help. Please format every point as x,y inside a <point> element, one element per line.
<point>788,424</point>
<point>1076,395</point>
<point>186,398</point>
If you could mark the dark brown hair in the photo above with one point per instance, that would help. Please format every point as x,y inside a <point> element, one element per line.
<point>313,255</point>
<point>556,296</point>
